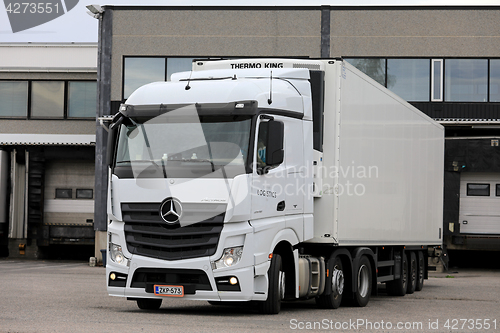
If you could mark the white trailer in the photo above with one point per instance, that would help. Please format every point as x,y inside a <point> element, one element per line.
<point>268,180</point>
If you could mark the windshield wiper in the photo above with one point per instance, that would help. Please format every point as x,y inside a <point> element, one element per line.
<point>195,160</point>
<point>146,141</point>
<point>120,162</point>
<point>139,161</point>
<point>204,160</point>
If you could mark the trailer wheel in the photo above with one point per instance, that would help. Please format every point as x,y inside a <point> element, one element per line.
<point>364,281</point>
<point>276,289</point>
<point>420,271</point>
<point>412,273</point>
<point>336,279</point>
<point>398,287</point>
<point>149,303</point>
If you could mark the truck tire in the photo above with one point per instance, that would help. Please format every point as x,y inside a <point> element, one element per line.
<point>336,280</point>
<point>412,273</point>
<point>276,288</point>
<point>364,281</point>
<point>149,303</point>
<point>420,271</point>
<point>398,287</point>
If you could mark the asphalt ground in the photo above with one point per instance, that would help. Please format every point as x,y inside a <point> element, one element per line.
<point>69,296</point>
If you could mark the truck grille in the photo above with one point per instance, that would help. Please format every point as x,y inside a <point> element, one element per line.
<point>191,279</point>
<point>148,235</point>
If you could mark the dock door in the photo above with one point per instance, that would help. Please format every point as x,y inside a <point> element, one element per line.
<point>69,202</point>
<point>480,203</point>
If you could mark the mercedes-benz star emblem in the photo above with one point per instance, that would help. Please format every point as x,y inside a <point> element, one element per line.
<point>171,210</point>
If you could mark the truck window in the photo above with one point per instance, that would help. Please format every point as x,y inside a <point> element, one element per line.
<point>261,145</point>
<point>174,145</point>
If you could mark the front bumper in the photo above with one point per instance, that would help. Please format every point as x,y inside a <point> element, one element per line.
<point>200,281</point>
<point>195,275</point>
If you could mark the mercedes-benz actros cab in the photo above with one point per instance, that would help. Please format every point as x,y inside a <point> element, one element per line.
<point>271,180</point>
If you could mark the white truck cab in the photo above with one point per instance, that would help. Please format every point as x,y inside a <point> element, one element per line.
<point>269,180</point>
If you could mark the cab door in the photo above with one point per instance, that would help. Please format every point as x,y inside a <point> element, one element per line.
<point>278,187</point>
<point>269,177</point>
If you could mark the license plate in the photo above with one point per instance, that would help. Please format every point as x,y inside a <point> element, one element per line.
<point>172,291</point>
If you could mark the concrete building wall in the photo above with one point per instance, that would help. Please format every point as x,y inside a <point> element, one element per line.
<point>33,75</point>
<point>405,32</point>
<point>33,141</point>
<point>213,33</point>
<point>45,126</point>
<point>314,32</point>
<point>57,62</point>
<point>48,56</point>
<point>297,32</point>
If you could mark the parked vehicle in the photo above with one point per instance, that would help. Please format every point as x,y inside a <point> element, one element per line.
<point>268,180</point>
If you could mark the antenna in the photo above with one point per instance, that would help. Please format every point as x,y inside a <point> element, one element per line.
<point>189,81</point>
<point>270,100</point>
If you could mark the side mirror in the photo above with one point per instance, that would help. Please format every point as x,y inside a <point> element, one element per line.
<point>112,133</point>
<point>274,148</point>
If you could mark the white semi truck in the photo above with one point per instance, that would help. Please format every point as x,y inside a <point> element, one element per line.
<point>271,180</point>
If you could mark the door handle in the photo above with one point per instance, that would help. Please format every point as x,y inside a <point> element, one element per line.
<point>281,206</point>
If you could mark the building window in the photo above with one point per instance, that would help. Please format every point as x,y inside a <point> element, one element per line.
<point>466,80</point>
<point>409,78</point>
<point>448,80</point>
<point>14,98</point>
<point>84,193</point>
<point>140,71</point>
<point>497,190</point>
<point>495,80</point>
<point>482,190</point>
<point>175,65</point>
<point>82,99</point>
<point>64,193</point>
<point>437,80</point>
<point>47,99</point>
<point>373,67</point>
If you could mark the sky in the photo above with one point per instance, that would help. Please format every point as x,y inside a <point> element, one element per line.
<point>77,26</point>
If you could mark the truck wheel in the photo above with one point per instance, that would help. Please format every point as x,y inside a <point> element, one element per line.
<point>276,289</point>
<point>398,287</point>
<point>420,271</point>
<point>336,279</point>
<point>412,273</point>
<point>364,281</point>
<point>149,303</point>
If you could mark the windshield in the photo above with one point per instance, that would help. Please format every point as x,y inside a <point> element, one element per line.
<point>182,144</point>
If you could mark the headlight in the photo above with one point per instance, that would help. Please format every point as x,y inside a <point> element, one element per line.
<point>230,257</point>
<point>116,254</point>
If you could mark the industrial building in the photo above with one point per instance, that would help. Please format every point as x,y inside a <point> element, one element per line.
<point>445,60</point>
<point>48,96</point>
